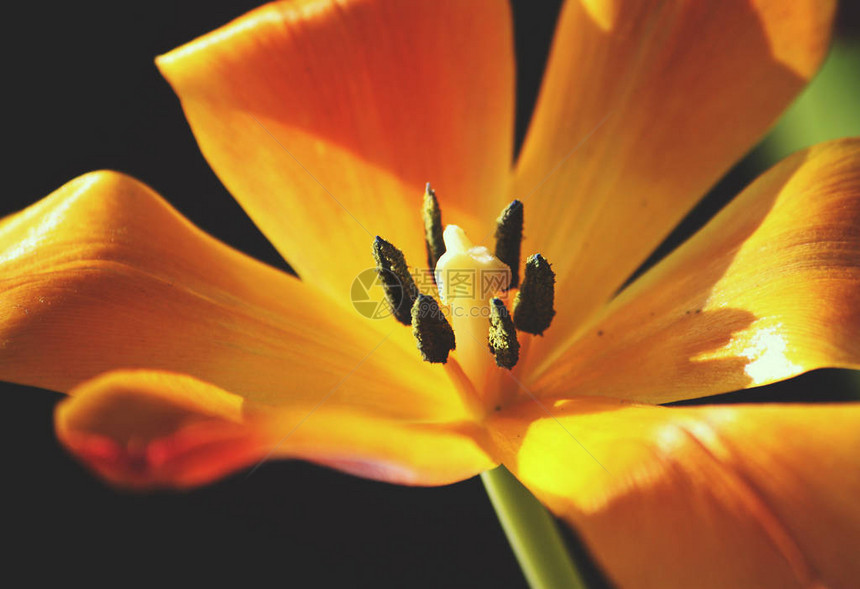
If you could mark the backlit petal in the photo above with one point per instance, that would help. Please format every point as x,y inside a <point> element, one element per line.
<point>103,274</point>
<point>154,429</point>
<point>644,106</point>
<point>326,118</point>
<point>768,289</point>
<point>729,496</point>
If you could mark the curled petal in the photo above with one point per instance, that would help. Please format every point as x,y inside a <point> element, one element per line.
<point>145,429</point>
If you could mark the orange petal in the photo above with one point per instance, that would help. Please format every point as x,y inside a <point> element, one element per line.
<point>768,289</point>
<point>721,496</point>
<point>142,429</point>
<point>103,274</point>
<point>325,120</point>
<point>645,104</point>
<point>147,429</point>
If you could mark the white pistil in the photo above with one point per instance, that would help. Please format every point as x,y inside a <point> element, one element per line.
<point>468,276</point>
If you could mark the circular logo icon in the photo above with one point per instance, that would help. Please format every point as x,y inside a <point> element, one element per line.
<point>367,293</point>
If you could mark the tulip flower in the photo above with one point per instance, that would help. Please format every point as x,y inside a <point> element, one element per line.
<point>185,360</point>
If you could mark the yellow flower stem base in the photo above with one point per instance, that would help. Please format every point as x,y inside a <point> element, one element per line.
<point>532,532</point>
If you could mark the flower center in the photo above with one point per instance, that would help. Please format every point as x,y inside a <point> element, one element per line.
<point>468,278</point>
<point>475,287</point>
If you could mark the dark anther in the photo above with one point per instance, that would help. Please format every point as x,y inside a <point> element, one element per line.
<point>400,289</point>
<point>432,331</point>
<point>533,306</point>
<point>432,216</point>
<point>509,238</point>
<point>503,337</point>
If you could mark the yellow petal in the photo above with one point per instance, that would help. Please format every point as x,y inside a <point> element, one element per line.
<point>149,429</point>
<point>768,289</point>
<point>325,120</point>
<point>645,104</point>
<point>722,496</point>
<point>103,274</point>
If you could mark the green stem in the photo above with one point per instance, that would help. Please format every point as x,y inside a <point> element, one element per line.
<point>532,532</point>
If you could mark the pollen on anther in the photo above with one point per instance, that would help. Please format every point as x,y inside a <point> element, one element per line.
<point>433,230</point>
<point>397,282</point>
<point>533,305</point>
<point>509,238</point>
<point>433,334</point>
<point>502,338</point>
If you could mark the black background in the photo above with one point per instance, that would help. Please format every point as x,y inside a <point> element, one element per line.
<point>81,93</point>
